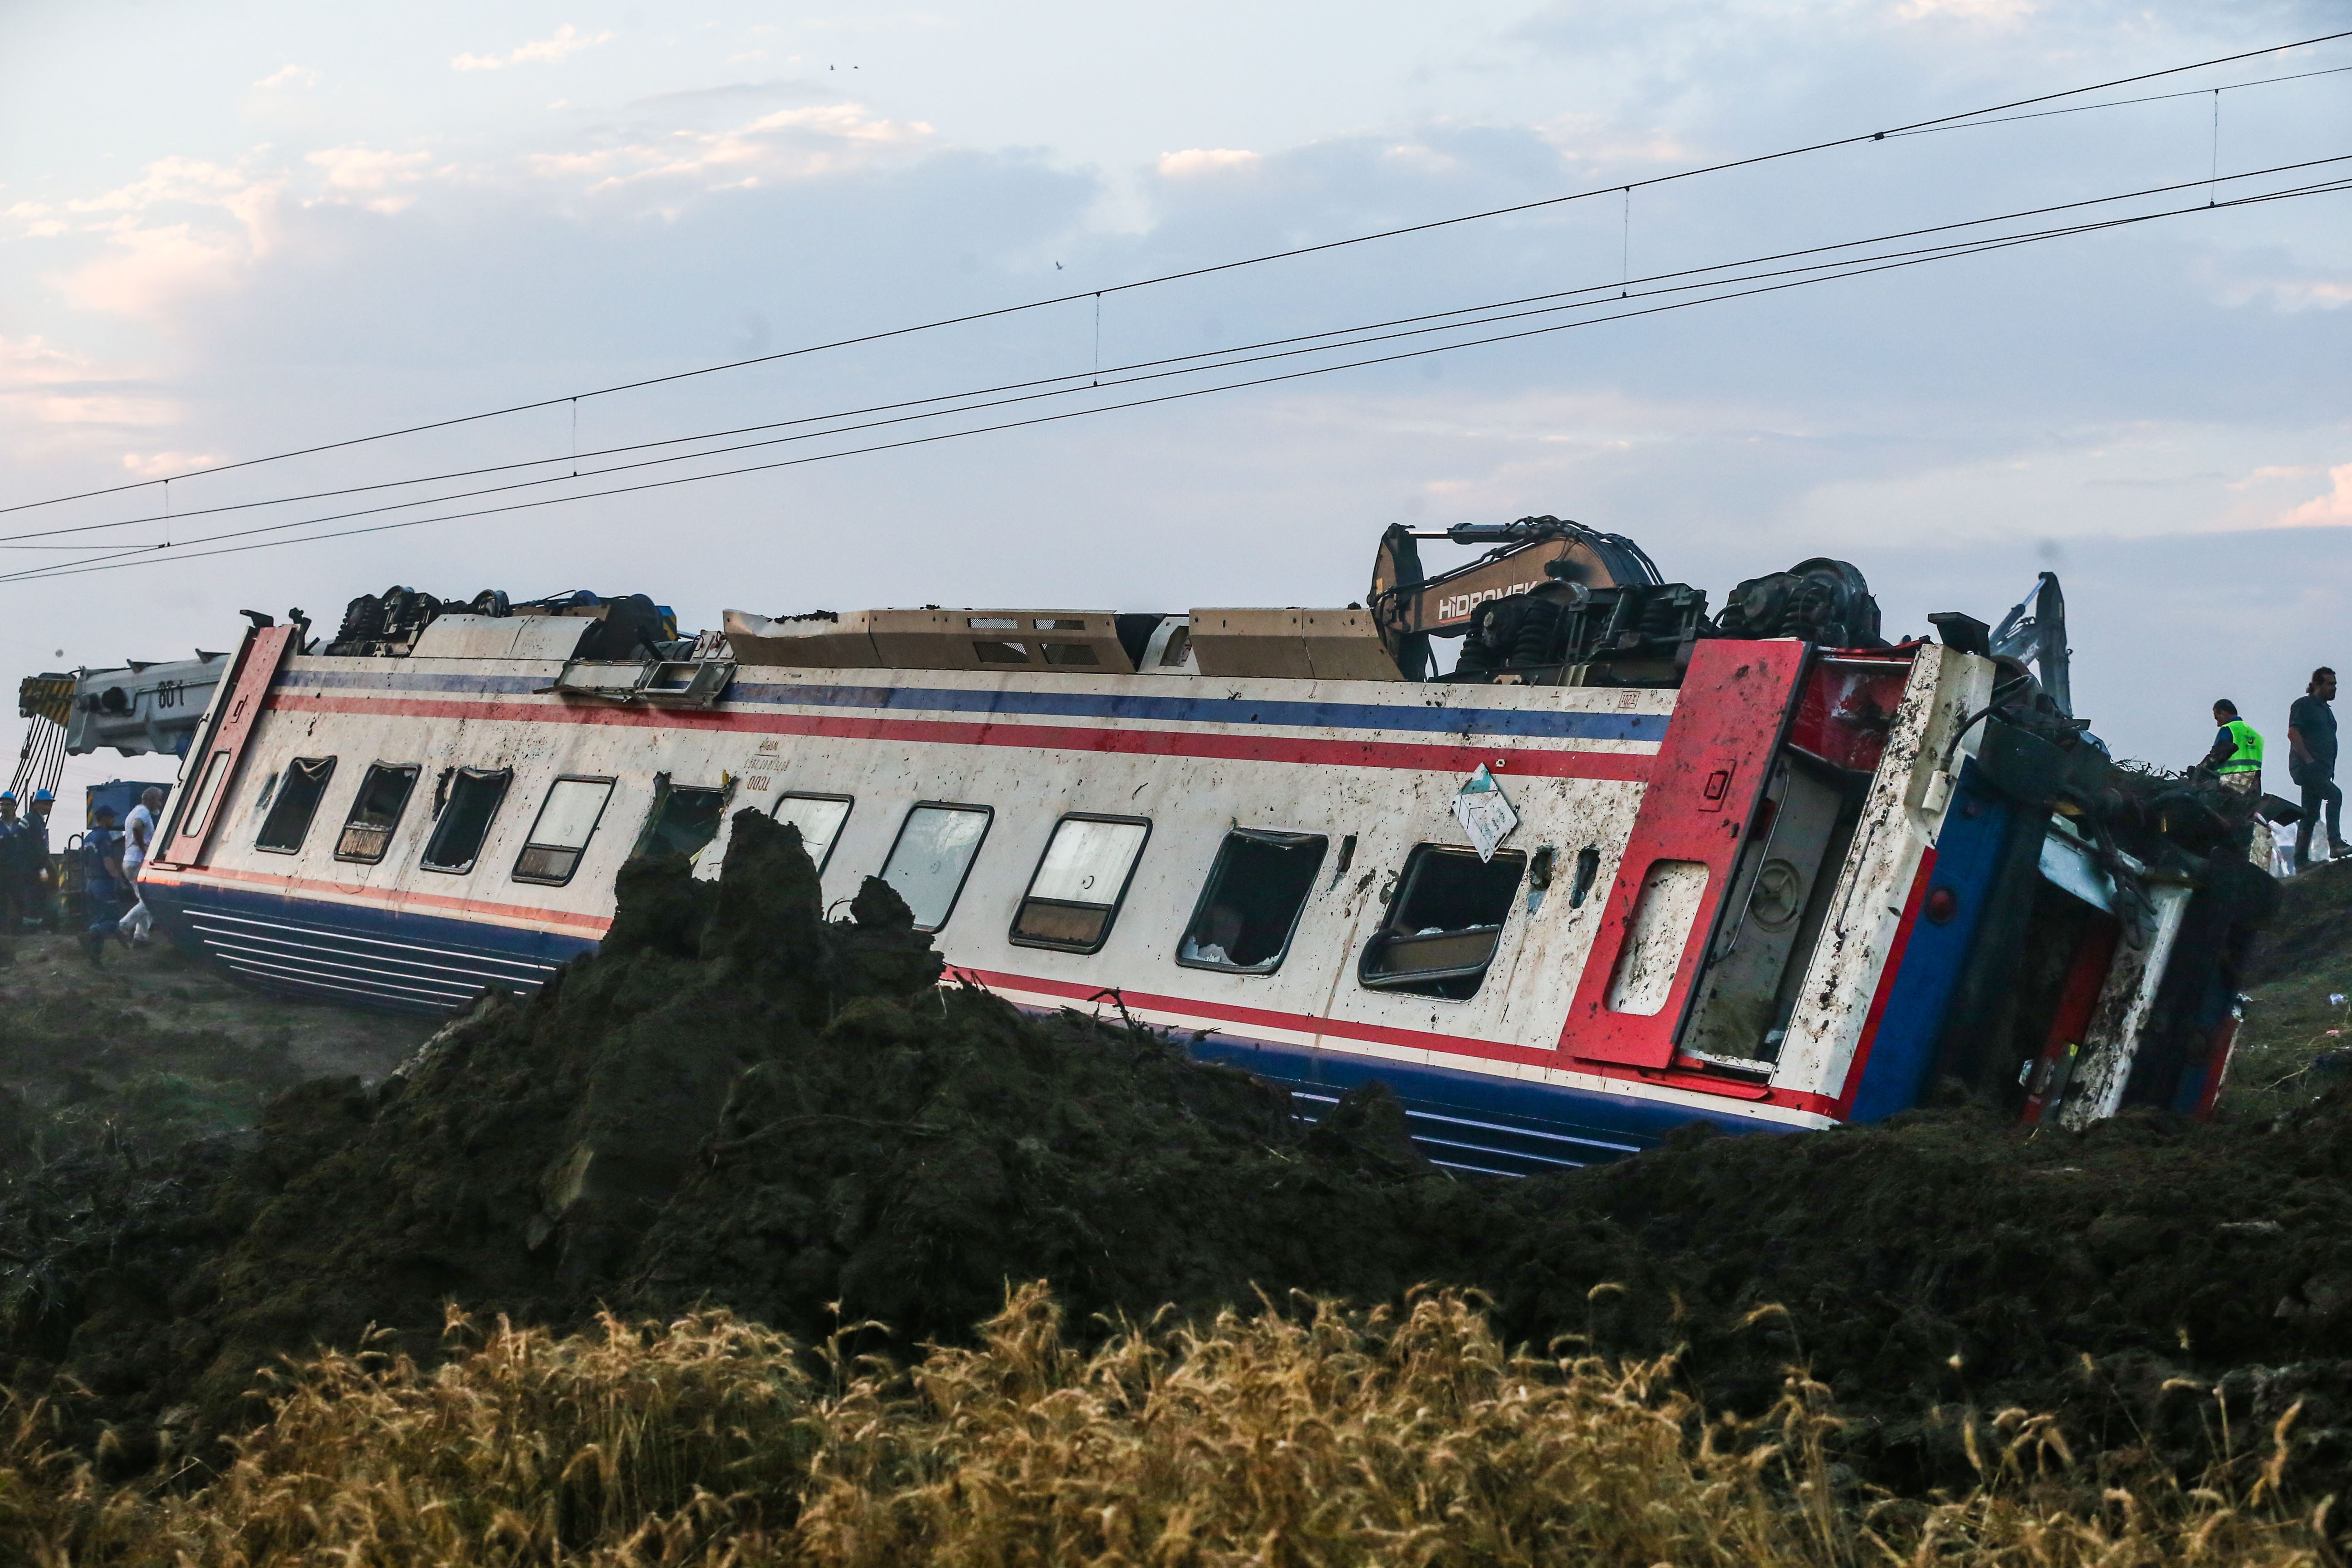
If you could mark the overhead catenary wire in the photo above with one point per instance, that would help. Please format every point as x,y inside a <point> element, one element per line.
<point>1083,382</point>
<point>1721,167</point>
<point>1852,268</point>
<point>2118,103</point>
<point>151,554</point>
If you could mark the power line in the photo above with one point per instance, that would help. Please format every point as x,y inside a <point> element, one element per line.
<point>1224,356</point>
<point>1196,272</point>
<point>2122,103</point>
<point>150,553</point>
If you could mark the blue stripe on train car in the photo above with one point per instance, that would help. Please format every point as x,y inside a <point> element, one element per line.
<point>1537,722</point>
<point>406,962</point>
<point>1967,855</point>
<point>1470,1121</point>
<point>353,953</point>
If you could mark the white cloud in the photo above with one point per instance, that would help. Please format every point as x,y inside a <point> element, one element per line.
<point>152,266</point>
<point>791,143</point>
<point>566,42</point>
<point>1992,13</point>
<point>2333,508</point>
<point>155,465</point>
<point>357,168</point>
<point>1195,161</point>
<point>50,386</point>
<point>290,75</point>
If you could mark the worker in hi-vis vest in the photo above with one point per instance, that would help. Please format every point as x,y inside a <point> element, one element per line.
<point>2236,758</point>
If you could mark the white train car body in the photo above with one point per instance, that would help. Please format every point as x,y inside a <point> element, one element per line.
<point>1701,911</point>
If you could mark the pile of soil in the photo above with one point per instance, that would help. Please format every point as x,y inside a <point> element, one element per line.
<point>737,1103</point>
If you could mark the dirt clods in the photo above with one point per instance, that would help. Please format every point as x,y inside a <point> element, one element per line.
<point>739,1104</point>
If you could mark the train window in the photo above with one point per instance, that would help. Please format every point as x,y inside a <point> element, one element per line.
<point>375,812</point>
<point>298,793</point>
<point>819,817</point>
<point>216,767</point>
<point>932,857</point>
<point>1443,923</point>
<point>567,820</point>
<point>1083,876</point>
<point>1251,903</point>
<point>684,820</point>
<point>474,794</point>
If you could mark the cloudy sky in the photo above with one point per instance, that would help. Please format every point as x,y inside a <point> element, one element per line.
<point>228,231</point>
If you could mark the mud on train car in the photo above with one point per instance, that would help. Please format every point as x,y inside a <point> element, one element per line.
<point>1624,867</point>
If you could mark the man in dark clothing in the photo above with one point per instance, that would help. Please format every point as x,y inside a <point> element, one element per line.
<point>45,870</point>
<point>103,884</point>
<point>2311,740</point>
<point>18,869</point>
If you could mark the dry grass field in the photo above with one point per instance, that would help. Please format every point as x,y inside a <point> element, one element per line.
<point>1281,1438</point>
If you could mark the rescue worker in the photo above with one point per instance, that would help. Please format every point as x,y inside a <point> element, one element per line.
<point>103,884</point>
<point>18,885</point>
<point>138,840</point>
<point>2311,741</point>
<point>2236,758</point>
<point>45,872</point>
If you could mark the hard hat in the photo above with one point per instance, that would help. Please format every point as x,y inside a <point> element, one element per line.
<point>8,795</point>
<point>41,795</point>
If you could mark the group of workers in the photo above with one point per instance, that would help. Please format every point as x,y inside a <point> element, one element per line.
<point>2236,760</point>
<point>27,880</point>
<point>110,857</point>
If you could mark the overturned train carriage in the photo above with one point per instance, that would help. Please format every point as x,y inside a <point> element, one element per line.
<point>1627,868</point>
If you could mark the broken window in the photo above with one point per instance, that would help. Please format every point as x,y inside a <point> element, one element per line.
<point>684,820</point>
<point>375,812</point>
<point>474,797</point>
<point>567,820</point>
<point>1076,894</point>
<point>1000,652</point>
<point>215,766</point>
<point>819,817</point>
<point>298,793</point>
<point>932,857</point>
<point>1251,903</point>
<point>1443,923</point>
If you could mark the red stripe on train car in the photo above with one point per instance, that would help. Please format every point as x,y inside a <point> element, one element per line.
<point>1384,1034</point>
<point>1616,767</point>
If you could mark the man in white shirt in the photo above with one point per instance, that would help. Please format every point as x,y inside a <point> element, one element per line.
<point>138,837</point>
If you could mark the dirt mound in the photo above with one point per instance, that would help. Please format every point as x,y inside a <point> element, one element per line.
<point>2312,928</point>
<point>739,1104</point>
<point>734,1101</point>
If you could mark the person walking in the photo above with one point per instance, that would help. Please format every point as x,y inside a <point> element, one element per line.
<point>2311,763</point>
<point>102,883</point>
<point>138,840</point>
<point>2236,758</point>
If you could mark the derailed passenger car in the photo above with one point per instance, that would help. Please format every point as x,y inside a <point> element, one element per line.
<point>1627,868</point>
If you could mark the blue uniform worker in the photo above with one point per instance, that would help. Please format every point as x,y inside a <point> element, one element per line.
<point>19,871</point>
<point>44,878</point>
<point>103,886</point>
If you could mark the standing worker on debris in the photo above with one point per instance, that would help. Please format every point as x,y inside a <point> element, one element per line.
<point>139,838</point>
<point>2311,741</point>
<point>102,882</point>
<point>2236,758</point>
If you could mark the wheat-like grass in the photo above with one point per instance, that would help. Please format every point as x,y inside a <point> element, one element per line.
<point>1307,1436</point>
